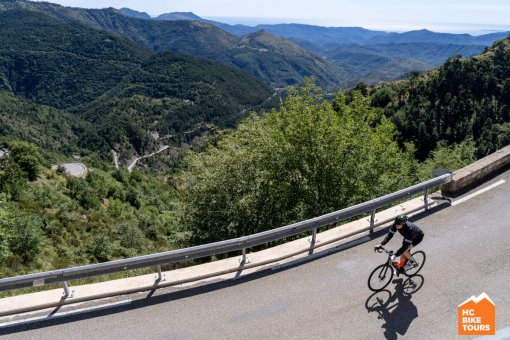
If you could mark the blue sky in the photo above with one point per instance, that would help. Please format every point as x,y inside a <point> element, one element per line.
<point>467,16</point>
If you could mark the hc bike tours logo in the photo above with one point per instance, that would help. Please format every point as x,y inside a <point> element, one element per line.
<point>477,316</point>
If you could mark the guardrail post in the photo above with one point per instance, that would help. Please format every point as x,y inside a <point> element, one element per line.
<point>68,293</point>
<point>244,260</point>
<point>161,277</point>
<point>426,199</point>
<point>313,241</point>
<point>372,222</point>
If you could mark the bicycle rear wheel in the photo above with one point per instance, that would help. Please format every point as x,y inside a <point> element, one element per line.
<point>380,277</point>
<point>419,258</point>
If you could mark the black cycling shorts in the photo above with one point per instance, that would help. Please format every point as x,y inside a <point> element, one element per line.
<point>417,240</point>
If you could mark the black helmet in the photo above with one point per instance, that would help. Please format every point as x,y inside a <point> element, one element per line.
<point>401,219</point>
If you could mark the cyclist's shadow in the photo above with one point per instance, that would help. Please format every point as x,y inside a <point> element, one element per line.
<point>397,309</point>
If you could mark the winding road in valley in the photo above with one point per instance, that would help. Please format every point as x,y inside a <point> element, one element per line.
<point>132,165</point>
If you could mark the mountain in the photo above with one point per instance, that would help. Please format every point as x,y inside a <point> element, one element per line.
<point>462,99</point>
<point>358,54</point>
<point>322,35</point>
<point>426,36</point>
<point>319,35</point>
<point>173,93</point>
<point>134,14</point>
<point>194,38</point>
<point>433,54</point>
<point>298,32</point>
<point>260,52</point>
<point>376,63</point>
<point>124,89</point>
<point>179,16</point>
<point>356,35</point>
<point>378,56</point>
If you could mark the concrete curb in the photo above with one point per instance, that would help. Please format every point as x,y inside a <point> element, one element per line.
<point>474,173</point>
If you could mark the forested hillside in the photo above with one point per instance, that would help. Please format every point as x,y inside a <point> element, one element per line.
<point>308,157</point>
<point>50,220</point>
<point>50,128</point>
<point>463,99</point>
<point>274,58</point>
<point>197,39</point>
<point>377,63</point>
<point>61,65</point>
<point>110,80</point>
<point>172,94</point>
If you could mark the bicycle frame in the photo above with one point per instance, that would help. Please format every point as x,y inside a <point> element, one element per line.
<point>389,262</point>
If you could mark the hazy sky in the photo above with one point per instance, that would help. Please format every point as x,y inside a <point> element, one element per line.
<point>480,16</point>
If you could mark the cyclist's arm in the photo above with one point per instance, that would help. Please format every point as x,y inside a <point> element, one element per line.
<point>388,237</point>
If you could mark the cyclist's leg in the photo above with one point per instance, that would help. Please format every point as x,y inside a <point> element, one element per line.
<point>415,242</point>
<point>407,253</point>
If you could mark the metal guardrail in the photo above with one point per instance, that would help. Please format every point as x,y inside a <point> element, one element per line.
<point>241,243</point>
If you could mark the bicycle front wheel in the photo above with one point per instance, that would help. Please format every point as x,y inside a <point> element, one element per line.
<point>380,277</point>
<point>419,259</point>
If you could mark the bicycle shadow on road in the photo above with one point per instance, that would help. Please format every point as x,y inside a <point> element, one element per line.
<point>397,310</point>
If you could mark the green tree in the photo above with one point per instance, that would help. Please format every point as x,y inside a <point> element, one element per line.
<point>27,236</point>
<point>30,165</point>
<point>101,248</point>
<point>6,225</point>
<point>28,158</point>
<point>115,208</point>
<point>12,178</point>
<point>296,163</point>
<point>448,157</point>
<point>134,198</point>
<point>83,192</point>
<point>131,237</point>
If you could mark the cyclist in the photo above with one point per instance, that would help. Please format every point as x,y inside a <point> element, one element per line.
<point>412,234</point>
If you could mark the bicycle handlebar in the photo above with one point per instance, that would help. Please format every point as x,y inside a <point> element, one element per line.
<point>381,249</point>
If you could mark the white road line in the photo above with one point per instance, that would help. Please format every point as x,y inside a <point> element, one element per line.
<point>476,193</point>
<point>62,314</point>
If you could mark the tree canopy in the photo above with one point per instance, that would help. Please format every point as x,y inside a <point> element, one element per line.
<point>463,99</point>
<point>308,158</point>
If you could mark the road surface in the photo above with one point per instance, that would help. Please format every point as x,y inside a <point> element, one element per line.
<point>73,169</point>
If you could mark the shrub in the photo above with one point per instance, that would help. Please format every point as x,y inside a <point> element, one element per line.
<point>101,248</point>
<point>6,224</point>
<point>131,237</point>
<point>133,197</point>
<point>27,236</point>
<point>115,208</point>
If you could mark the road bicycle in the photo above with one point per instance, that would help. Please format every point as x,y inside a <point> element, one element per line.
<point>381,276</point>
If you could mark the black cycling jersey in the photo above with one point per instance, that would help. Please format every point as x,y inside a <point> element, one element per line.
<point>410,231</point>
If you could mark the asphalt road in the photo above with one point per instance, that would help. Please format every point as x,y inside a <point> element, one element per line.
<point>468,253</point>
<point>73,169</point>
